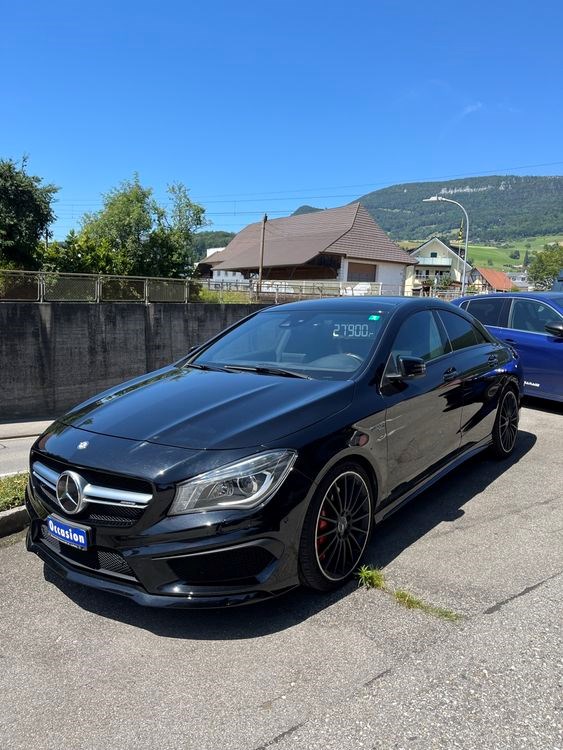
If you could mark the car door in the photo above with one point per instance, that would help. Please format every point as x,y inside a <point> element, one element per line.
<point>491,312</point>
<point>478,366</point>
<point>541,353</point>
<point>422,415</point>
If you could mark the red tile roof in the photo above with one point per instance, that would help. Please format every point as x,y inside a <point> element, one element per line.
<point>348,231</point>
<point>498,280</point>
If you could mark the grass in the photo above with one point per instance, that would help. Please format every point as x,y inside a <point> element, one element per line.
<point>408,600</point>
<point>223,297</point>
<point>370,577</point>
<point>12,491</point>
<point>500,254</point>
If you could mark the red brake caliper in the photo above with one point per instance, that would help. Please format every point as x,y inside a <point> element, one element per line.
<point>321,539</point>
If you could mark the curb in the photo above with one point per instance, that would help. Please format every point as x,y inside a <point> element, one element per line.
<point>17,437</point>
<point>13,520</point>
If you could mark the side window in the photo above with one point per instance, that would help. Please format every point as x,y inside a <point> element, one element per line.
<point>490,312</point>
<point>530,315</point>
<point>419,336</point>
<point>461,332</point>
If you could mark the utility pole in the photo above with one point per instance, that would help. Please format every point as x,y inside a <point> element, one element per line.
<point>261,267</point>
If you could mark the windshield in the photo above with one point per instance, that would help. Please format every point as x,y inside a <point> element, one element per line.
<point>326,345</point>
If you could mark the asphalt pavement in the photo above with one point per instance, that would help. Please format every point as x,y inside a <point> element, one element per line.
<point>16,438</point>
<point>346,671</point>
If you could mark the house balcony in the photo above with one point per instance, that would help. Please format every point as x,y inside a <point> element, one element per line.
<point>444,262</point>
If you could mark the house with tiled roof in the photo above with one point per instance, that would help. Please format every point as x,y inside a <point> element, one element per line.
<point>435,261</point>
<point>490,280</point>
<point>343,244</point>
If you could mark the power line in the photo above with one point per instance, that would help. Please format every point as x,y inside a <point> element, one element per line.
<point>285,194</point>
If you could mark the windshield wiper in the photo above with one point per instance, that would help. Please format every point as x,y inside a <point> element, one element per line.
<point>197,366</point>
<point>263,370</point>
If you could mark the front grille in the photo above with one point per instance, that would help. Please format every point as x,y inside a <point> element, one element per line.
<point>238,565</point>
<point>116,517</point>
<point>96,558</point>
<point>118,503</point>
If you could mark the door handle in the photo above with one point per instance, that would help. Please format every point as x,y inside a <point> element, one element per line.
<point>511,342</point>
<point>450,374</point>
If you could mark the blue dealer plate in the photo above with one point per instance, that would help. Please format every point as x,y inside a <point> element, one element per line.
<point>68,533</point>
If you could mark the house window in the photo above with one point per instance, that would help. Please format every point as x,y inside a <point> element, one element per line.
<point>361,272</point>
<point>433,255</point>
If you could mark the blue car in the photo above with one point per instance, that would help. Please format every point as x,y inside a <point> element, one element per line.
<point>532,323</point>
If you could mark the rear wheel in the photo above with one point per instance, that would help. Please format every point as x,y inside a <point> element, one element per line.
<point>505,429</point>
<point>337,528</point>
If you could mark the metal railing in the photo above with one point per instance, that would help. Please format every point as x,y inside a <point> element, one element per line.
<point>50,286</point>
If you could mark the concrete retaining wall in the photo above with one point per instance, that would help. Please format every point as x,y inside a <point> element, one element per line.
<point>54,355</point>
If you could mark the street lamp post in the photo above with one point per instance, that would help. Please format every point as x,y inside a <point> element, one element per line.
<point>434,198</point>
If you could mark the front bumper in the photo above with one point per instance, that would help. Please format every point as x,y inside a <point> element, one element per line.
<point>199,599</point>
<point>178,562</point>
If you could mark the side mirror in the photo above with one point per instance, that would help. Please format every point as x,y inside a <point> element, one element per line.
<point>555,328</point>
<point>411,367</point>
<point>408,368</point>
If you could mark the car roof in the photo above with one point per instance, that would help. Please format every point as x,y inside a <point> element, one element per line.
<point>361,304</point>
<point>556,298</point>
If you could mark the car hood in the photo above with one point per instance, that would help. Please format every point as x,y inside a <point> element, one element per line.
<point>198,409</point>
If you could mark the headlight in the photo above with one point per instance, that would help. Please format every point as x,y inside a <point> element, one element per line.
<point>244,484</point>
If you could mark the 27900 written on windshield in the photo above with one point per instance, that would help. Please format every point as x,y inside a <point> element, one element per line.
<point>353,330</point>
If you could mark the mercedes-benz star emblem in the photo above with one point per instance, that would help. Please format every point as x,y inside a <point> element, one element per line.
<point>70,491</point>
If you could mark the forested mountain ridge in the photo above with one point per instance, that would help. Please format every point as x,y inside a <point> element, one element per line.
<point>499,207</point>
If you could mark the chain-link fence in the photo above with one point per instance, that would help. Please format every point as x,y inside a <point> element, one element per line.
<point>19,286</point>
<point>48,286</point>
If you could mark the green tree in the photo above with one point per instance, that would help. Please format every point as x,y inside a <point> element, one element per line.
<point>127,221</point>
<point>25,214</point>
<point>545,266</point>
<point>444,281</point>
<point>526,261</point>
<point>183,218</point>
<point>80,254</point>
<point>132,235</point>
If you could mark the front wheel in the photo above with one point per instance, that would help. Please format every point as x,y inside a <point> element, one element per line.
<point>337,528</point>
<point>505,429</point>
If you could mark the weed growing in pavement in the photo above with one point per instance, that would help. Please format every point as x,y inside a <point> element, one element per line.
<point>410,601</point>
<point>370,577</point>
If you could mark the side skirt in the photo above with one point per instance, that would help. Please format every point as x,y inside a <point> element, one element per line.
<point>388,510</point>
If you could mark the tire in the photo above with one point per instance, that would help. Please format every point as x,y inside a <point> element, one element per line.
<point>337,528</point>
<point>505,430</point>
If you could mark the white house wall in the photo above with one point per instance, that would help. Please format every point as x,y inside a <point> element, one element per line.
<point>392,277</point>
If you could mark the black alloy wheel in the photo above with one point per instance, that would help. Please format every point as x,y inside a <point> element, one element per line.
<point>337,528</point>
<point>505,430</point>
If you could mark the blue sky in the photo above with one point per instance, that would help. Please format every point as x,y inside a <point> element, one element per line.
<point>263,106</point>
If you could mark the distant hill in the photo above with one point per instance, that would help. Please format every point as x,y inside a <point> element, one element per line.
<point>500,208</point>
<point>305,210</point>
<point>203,240</point>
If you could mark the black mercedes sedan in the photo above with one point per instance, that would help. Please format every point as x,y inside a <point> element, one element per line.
<point>264,458</point>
